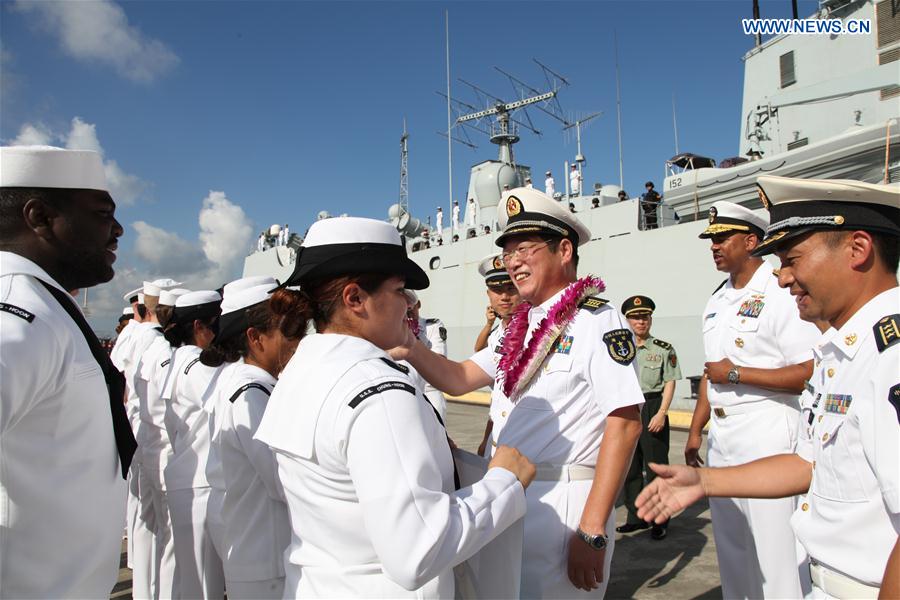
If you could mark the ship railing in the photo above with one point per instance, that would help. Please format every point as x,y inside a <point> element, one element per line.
<point>653,215</point>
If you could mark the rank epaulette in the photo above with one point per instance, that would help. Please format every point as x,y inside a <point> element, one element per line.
<point>432,321</point>
<point>662,344</point>
<point>593,303</point>
<point>15,310</point>
<point>381,387</point>
<point>887,332</point>
<point>394,365</point>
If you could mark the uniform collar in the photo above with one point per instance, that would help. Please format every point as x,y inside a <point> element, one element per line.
<point>16,264</point>
<point>253,372</point>
<point>858,329</point>
<point>760,280</point>
<point>544,307</point>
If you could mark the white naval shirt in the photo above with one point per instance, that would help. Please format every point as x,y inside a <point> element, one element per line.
<point>755,326</point>
<point>850,519</point>
<point>561,416</point>
<point>154,368</point>
<point>257,530</point>
<point>550,186</point>
<point>62,496</point>
<point>189,388</point>
<point>368,477</point>
<point>575,182</point>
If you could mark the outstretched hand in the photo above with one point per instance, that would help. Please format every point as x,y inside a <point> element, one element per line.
<point>403,351</point>
<point>675,488</point>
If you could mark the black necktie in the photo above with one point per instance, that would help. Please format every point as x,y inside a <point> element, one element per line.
<point>441,421</point>
<point>115,381</point>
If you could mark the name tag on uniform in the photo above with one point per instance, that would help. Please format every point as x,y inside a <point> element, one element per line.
<point>564,345</point>
<point>837,403</point>
<point>752,306</point>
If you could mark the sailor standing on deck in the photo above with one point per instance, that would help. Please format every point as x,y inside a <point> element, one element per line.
<point>65,441</point>
<point>566,393</point>
<point>454,219</point>
<point>364,460</point>
<point>549,184</point>
<point>838,245</point>
<point>439,224</point>
<point>759,354</point>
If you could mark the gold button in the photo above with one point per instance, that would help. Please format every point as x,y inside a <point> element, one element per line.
<point>503,414</point>
<point>805,507</point>
<point>839,220</point>
<point>739,342</point>
<point>850,339</point>
<point>493,443</point>
<point>830,372</point>
<point>825,437</point>
<point>820,418</point>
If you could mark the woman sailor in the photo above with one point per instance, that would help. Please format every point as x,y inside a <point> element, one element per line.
<point>198,566</point>
<point>258,333</point>
<point>364,461</point>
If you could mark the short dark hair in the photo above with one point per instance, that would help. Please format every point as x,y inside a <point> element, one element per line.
<point>553,246</point>
<point>887,247</point>
<point>12,202</point>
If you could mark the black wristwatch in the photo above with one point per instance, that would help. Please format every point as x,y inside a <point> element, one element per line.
<point>597,542</point>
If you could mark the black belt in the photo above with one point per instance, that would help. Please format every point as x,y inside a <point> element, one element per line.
<point>652,395</point>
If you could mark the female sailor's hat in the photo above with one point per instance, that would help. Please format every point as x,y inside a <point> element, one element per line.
<point>196,305</point>
<point>638,305</point>
<point>50,167</point>
<point>153,288</point>
<point>527,211</point>
<point>798,206</point>
<point>168,297</point>
<point>132,296</point>
<point>128,311</point>
<point>346,245</point>
<point>237,299</point>
<point>494,271</point>
<point>728,216</point>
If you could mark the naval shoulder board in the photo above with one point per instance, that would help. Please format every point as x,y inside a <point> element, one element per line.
<point>593,303</point>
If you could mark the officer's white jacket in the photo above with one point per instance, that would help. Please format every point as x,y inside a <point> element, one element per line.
<point>850,432</point>
<point>257,530</point>
<point>560,418</point>
<point>187,390</point>
<point>755,326</point>
<point>62,496</point>
<point>368,477</point>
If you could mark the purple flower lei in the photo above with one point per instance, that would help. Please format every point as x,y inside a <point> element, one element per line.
<point>518,366</point>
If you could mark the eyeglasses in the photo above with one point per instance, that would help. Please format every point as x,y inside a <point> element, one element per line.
<point>522,252</point>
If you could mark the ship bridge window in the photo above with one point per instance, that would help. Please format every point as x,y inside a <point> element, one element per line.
<point>434,263</point>
<point>788,76</point>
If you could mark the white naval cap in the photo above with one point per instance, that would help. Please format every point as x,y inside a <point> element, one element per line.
<point>244,283</point>
<point>132,296</point>
<point>335,247</point>
<point>797,206</point>
<point>140,298</point>
<point>128,311</point>
<point>51,167</point>
<point>728,216</point>
<point>197,298</point>
<point>168,297</point>
<point>153,288</point>
<point>494,271</point>
<point>527,211</point>
<point>234,304</point>
<point>196,305</point>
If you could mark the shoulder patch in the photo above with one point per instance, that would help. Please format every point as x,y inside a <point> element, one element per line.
<point>721,285</point>
<point>894,399</point>
<point>620,344</point>
<point>165,363</point>
<point>191,364</point>
<point>662,344</point>
<point>15,310</point>
<point>887,332</point>
<point>442,331</point>
<point>249,386</point>
<point>432,321</point>
<point>381,387</point>
<point>593,303</point>
<point>393,365</point>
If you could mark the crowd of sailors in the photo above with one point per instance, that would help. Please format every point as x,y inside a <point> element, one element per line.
<point>287,440</point>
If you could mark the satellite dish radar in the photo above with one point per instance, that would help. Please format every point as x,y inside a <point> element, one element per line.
<point>274,229</point>
<point>404,222</point>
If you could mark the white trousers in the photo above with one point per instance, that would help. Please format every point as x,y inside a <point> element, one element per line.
<point>267,589</point>
<point>142,549</point>
<point>553,513</point>
<point>755,544</point>
<point>164,559</point>
<point>199,570</point>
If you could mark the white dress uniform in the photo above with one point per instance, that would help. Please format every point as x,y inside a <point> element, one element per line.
<point>755,326</point>
<point>368,477</point>
<point>472,215</point>
<point>257,529</point>
<point>439,223</point>
<point>575,182</point>
<point>434,335</point>
<point>549,186</point>
<point>62,495</point>
<point>850,520</point>
<point>558,423</point>
<point>454,222</point>
<point>198,563</point>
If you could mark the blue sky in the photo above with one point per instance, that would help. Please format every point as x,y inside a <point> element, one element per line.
<point>288,108</point>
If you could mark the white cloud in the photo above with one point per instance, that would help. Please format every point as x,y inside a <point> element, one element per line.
<point>125,188</point>
<point>98,31</point>
<point>168,253</point>
<point>225,231</point>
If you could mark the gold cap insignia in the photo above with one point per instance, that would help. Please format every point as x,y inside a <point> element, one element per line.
<point>513,206</point>
<point>713,212</point>
<point>637,301</point>
<point>498,262</point>
<point>763,198</point>
<point>839,220</point>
